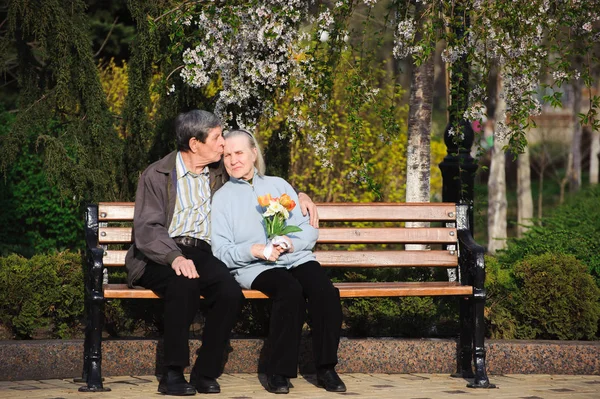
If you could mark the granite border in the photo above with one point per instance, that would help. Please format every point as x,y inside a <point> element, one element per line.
<point>49,359</point>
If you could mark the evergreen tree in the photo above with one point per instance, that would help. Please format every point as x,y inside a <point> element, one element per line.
<point>61,99</point>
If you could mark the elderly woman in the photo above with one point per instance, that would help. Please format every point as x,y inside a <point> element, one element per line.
<point>286,271</point>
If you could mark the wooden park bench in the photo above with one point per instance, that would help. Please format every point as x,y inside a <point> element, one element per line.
<point>449,242</point>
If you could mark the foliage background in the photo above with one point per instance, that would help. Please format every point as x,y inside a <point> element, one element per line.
<point>98,113</point>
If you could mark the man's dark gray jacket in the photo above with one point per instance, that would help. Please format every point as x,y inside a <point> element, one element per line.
<point>154,207</point>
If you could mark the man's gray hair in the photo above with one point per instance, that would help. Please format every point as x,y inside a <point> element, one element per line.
<point>195,123</point>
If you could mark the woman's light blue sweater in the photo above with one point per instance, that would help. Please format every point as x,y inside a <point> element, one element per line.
<point>237,224</point>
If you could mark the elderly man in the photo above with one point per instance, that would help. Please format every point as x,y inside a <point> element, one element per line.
<point>172,254</point>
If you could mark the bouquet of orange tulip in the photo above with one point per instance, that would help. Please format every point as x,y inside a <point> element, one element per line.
<point>278,211</point>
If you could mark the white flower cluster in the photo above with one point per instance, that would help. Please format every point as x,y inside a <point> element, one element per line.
<point>587,26</point>
<point>452,54</point>
<point>518,51</point>
<point>476,112</point>
<point>319,143</point>
<point>452,133</point>
<point>370,3</point>
<point>251,48</point>
<point>325,20</point>
<point>477,4</point>
<point>404,38</point>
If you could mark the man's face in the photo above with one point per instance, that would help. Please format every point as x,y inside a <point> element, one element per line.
<point>212,149</point>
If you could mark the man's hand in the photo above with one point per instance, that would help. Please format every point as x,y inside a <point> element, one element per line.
<point>184,266</point>
<point>308,206</point>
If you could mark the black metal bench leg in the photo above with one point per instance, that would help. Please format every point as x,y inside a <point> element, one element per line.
<point>465,344</point>
<point>86,349</point>
<point>94,371</point>
<point>481,379</point>
<point>96,309</point>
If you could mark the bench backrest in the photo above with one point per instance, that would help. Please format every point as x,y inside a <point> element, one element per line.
<point>341,224</point>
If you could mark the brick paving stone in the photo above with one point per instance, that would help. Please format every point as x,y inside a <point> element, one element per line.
<point>360,385</point>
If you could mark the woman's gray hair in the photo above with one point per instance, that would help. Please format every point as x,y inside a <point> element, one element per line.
<point>195,123</point>
<point>259,164</point>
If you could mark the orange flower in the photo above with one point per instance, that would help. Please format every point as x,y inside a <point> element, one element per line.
<point>264,200</point>
<point>287,202</point>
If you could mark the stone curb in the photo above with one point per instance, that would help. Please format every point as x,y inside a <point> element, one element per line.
<point>50,359</point>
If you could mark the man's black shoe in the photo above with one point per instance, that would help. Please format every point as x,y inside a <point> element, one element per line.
<point>331,381</point>
<point>277,384</point>
<point>205,384</point>
<point>173,383</point>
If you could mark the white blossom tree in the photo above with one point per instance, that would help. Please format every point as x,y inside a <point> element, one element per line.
<point>252,52</point>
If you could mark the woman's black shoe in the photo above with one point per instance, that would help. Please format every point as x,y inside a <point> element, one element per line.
<point>206,385</point>
<point>277,384</point>
<point>331,381</point>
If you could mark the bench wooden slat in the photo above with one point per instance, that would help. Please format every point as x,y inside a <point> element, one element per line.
<point>417,212</point>
<point>387,258</point>
<point>434,235</point>
<point>115,235</point>
<point>115,211</point>
<point>347,290</point>
<point>123,211</point>
<point>351,258</point>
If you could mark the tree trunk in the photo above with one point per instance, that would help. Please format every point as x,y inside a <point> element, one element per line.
<point>524,195</point>
<point>575,175</point>
<point>542,172</point>
<point>565,180</point>
<point>594,152</point>
<point>497,181</point>
<point>418,163</point>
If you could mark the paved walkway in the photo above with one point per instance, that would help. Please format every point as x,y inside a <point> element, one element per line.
<point>384,386</point>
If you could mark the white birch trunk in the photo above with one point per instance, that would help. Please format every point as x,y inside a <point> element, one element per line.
<point>594,151</point>
<point>497,180</point>
<point>418,163</point>
<point>575,176</point>
<point>524,195</point>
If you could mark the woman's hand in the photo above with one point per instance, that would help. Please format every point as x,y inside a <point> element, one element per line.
<point>286,246</point>
<point>258,251</point>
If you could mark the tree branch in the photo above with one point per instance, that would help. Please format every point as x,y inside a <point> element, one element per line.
<point>174,70</point>
<point>172,10</point>
<point>106,38</point>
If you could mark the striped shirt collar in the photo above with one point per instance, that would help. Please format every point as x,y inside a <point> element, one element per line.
<point>182,170</point>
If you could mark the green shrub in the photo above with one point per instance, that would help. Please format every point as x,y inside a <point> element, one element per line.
<point>573,228</point>
<point>377,317</point>
<point>556,298</point>
<point>405,317</point>
<point>123,317</point>
<point>44,292</point>
<point>500,286</point>
<point>548,296</point>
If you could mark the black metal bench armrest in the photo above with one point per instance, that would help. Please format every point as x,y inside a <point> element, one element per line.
<point>471,260</point>
<point>95,254</point>
<point>96,272</point>
<point>471,255</point>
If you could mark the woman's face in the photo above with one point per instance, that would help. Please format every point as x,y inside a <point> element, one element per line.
<point>239,157</point>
